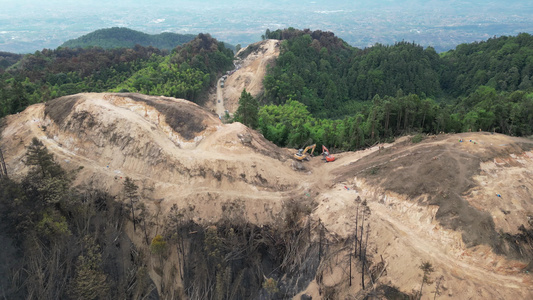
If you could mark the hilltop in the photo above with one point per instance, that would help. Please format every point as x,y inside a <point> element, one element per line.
<point>458,201</point>
<point>120,37</point>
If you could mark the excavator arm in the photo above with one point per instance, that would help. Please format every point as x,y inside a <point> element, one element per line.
<point>326,155</point>
<point>302,154</point>
<point>312,147</point>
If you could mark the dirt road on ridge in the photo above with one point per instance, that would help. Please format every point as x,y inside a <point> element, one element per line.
<point>220,100</point>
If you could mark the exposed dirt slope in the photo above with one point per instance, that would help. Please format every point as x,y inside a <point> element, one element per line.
<point>438,201</point>
<point>252,66</point>
<point>435,201</point>
<point>168,144</point>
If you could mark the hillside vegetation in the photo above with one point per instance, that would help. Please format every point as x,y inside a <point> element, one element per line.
<point>319,90</point>
<point>187,72</point>
<point>350,98</point>
<point>118,37</point>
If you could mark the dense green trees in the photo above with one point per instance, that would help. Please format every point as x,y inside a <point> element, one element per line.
<point>355,98</point>
<point>504,63</point>
<point>381,119</point>
<point>119,37</point>
<point>187,72</point>
<point>247,113</point>
<point>320,71</point>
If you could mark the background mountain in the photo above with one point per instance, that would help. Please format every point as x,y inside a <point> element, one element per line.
<point>7,59</point>
<point>118,37</point>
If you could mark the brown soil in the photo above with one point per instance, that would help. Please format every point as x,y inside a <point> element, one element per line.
<point>250,76</point>
<point>183,118</point>
<point>59,109</point>
<point>433,201</point>
<point>440,171</point>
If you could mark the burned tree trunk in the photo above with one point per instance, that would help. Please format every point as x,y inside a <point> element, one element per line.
<point>3,169</point>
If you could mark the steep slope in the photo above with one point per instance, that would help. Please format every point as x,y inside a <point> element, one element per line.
<point>250,71</point>
<point>170,144</point>
<point>434,201</point>
<point>457,205</point>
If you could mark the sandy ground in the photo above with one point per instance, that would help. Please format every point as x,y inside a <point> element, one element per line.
<point>405,232</point>
<point>220,100</point>
<point>216,165</point>
<point>250,75</point>
<point>106,137</point>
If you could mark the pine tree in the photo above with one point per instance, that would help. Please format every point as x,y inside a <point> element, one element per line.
<point>46,179</point>
<point>90,281</point>
<point>248,110</point>
<point>131,193</point>
<point>41,161</point>
<point>427,268</point>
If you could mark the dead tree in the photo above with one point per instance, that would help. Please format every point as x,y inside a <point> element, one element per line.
<point>437,287</point>
<point>363,260</point>
<point>321,232</point>
<point>3,169</point>
<point>358,200</point>
<point>427,268</point>
<point>130,191</point>
<point>356,228</point>
<point>350,262</point>
<point>362,231</point>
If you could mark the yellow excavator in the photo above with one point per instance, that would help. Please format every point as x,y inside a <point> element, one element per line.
<point>302,153</point>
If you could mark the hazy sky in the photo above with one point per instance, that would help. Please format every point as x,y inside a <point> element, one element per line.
<point>29,25</point>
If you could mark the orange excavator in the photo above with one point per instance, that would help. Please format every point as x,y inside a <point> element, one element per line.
<point>326,155</point>
<point>302,153</point>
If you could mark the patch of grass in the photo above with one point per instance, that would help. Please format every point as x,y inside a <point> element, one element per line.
<point>248,50</point>
<point>417,138</point>
<point>374,170</point>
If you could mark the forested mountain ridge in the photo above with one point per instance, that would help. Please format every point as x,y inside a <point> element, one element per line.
<point>7,59</point>
<point>335,72</point>
<point>504,63</point>
<point>186,72</point>
<point>350,98</point>
<point>120,37</point>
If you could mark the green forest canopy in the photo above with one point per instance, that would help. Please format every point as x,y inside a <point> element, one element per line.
<point>119,37</point>
<point>353,98</point>
<point>320,90</point>
<point>186,72</point>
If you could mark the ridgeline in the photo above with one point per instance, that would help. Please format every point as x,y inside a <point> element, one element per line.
<point>119,37</point>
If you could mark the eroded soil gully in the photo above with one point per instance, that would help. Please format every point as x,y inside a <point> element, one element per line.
<point>416,224</point>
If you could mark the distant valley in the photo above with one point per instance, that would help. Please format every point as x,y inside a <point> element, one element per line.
<point>26,27</point>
